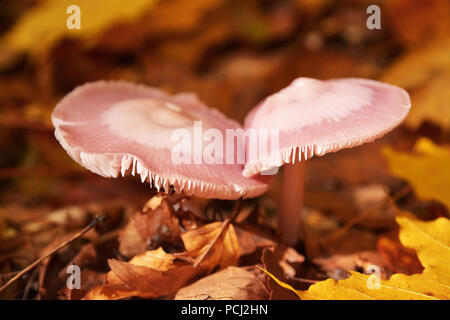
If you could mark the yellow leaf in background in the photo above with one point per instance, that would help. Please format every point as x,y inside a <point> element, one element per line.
<point>42,25</point>
<point>425,74</point>
<point>431,240</point>
<point>428,171</point>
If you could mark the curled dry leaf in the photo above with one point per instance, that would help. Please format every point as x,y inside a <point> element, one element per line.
<point>224,253</point>
<point>155,273</point>
<point>157,225</point>
<point>151,274</point>
<point>249,241</point>
<point>399,258</point>
<point>271,262</point>
<point>231,283</point>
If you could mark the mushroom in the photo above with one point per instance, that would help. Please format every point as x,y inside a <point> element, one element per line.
<point>314,118</point>
<point>114,128</point>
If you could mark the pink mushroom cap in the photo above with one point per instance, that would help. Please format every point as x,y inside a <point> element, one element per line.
<point>114,128</point>
<point>316,117</point>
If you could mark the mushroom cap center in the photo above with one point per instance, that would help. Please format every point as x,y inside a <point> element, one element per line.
<point>310,101</point>
<point>147,121</point>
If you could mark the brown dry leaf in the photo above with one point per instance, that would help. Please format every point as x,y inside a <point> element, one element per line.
<point>157,225</point>
<point>249,241</point>
<point>86,255</point>
<point>271,262</point>
<point>231,283</point>
<point>156,273</point>
<point>224,253</point>
<point>151,274</point>
<point>399,258</point>
<point>89,280</point>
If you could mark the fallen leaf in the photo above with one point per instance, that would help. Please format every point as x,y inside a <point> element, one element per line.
<point>399,258</point>
<point>250,241</point>
<point>231,283</point>
<point>157,225</point>
<point>151,274</point>
<point>432,243</point>
<point>223,254</point>
<point>270,261</point>
<point>155,273</point>
<point>89,279</point>
<point>427,171</point>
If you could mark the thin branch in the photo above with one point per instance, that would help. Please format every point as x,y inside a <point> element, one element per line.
<point>350,223</point>
<point>97,219</point>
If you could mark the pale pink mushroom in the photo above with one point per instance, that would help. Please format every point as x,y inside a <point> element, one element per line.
<point>316,117</point>
<point>114,128</point>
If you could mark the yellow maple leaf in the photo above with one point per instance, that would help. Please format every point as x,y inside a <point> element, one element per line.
<point>42,25</point>
<point>431,240</point>
<point>427,171</point>
<point>425,74</point>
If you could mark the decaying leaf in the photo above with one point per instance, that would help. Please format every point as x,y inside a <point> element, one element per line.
<point>155,273</point>
<point>399,258</point>
<point>432,243</point>
<point>224,253</point>
<point>427,171</point>
<point>151,274</point>
<point>153,227</point>
<point>271,262</point>
<point>231,283</point>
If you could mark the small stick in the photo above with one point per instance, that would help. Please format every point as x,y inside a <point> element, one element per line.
<point>350,223</point>
<point>225,224</point>
<point>97,219</point>
<point>302,279</point>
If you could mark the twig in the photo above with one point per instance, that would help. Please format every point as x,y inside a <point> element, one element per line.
<point>350,223</point>
<point>225,225</point>
<point>97,219</point>
<point>29,284</point>
<point>302,279</point>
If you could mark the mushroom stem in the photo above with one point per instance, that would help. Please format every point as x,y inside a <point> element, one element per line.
<point>289,216</point>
